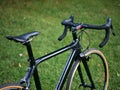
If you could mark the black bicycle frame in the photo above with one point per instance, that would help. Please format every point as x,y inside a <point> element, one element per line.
<point>32,70</point>
<point>34,62</point>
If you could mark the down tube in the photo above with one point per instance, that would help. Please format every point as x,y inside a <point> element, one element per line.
<point>65,72</point>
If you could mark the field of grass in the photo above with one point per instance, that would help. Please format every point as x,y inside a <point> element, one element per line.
<point>21,16</point>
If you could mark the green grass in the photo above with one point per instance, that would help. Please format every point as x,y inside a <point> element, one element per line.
<point>45,16</point>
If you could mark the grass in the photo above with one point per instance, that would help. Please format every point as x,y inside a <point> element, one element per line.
<point>21,16</point>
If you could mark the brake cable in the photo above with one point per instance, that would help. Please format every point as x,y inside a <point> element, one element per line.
<point>80,36</point>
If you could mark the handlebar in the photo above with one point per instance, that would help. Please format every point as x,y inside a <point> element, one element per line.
<point>68,23</point>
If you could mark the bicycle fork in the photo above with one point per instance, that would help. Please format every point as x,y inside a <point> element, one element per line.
<point>84,61</point>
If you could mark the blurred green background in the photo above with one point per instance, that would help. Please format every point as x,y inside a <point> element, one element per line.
<point>21,16</point>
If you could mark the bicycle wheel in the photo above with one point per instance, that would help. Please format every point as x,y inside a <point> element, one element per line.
<point>98,67</point>
<point>12,87</point>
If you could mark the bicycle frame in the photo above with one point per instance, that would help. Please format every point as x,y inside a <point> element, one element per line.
<point>32,70</point>
<point>75,54</point>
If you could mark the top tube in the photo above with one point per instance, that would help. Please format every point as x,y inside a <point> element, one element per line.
<point>59,51</point>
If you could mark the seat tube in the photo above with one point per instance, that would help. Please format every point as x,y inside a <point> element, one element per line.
<point>30,54</point>
<point>37,80</point>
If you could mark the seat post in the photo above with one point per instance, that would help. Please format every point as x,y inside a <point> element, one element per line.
<point>30,53</point>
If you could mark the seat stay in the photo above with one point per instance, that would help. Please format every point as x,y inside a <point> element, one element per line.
<point>24,38</point>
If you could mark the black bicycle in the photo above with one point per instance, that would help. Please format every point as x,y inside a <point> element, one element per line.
<point>83,69</point>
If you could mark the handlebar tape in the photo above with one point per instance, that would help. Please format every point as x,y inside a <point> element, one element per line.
<point>106,38</point>
<point>68,23</point>
<point>64,34</point>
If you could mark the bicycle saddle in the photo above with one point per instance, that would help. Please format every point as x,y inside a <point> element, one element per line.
<point>24,38</point>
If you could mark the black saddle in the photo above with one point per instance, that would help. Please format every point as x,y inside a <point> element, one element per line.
<point>24,38</point>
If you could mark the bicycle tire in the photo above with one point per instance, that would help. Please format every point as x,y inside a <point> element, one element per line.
<point>12,86</point>
<point>104,74</point>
